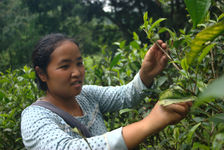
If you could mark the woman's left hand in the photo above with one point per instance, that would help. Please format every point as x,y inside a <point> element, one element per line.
<point>154,62</point>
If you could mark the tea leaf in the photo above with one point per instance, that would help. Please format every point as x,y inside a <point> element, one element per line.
<point>115,60</point>
<point>127,110</point>
<point>205,51</point>
<point>215,89</point>
<point>197,9</point>
<point>198,44</point>
<point>218,118</point>
<point>166,102</point>
<point>191,132</point>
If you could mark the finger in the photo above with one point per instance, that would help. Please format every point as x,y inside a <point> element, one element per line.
<point>164,45</point>
<point>159,42</point>
<point>189,104</point>
<point>185,105</point>
<point>164,61</point>
<point>178,108</point>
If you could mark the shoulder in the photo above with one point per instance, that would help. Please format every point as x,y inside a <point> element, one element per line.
<point>34,110</point>
<point>37,115</point>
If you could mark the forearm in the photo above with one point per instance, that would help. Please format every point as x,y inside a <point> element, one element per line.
<point>158,119</point>
<point>146,80</point>
<point>135,133</point>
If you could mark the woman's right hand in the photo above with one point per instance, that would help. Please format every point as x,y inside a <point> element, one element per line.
<point>158,119</point>
<point>167,115</point>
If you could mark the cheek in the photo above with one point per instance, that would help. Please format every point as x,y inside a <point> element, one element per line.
<point>59,78</point>
<point>82,70</point>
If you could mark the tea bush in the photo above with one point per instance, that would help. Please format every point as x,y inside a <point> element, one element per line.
<point>198,73</point>
<point>17,91</point>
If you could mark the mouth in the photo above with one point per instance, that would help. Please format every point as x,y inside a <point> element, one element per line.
<point>76,84</point>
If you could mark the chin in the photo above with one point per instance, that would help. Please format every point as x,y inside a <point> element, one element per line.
<point>77,92</point>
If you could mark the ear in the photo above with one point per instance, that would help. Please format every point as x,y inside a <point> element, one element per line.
<point>42,75</point>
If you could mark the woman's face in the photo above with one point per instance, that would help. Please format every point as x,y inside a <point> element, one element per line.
<point>65,71</point>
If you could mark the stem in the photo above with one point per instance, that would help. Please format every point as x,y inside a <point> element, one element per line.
<point>80,133</point>
<point>218,110</point>
<point>212,64</point>
<point>187,90</point>
<point>174,64</point>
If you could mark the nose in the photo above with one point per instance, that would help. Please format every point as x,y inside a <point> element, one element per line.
<point>76,72</point>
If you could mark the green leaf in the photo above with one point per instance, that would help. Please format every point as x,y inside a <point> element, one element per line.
<point>166,102</point>
<point>217,118</point>
<point>197,9</point>
<point>218,141</point>
<point>199,146</point>
<point>127,110</point>
<point>135,45</point>
<point>135,36</point>
<point>26,69</point>
<point>184,64</point>
<point>215,89</point>
<point>76,130</point>
<point>157,22</point>
<point>163,29</point>
<point>173,93</point>
<point>145,17</point>
<point>205,51</point>
<point>206,35</point>
<point>191,132</point>
<point>115,60</point>
<point>221,16</point>
<point>161,80</point>
<point>2,94</point>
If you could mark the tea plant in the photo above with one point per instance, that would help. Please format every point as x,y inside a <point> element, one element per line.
<point>17,91</point>
<point>194,71</point>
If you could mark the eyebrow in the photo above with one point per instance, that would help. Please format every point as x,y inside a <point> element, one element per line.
<point>69,60</point>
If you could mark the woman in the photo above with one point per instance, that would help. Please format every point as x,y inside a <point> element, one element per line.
<point>60,73</point>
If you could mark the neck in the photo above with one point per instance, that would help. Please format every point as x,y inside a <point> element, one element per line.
<point>68,104</point>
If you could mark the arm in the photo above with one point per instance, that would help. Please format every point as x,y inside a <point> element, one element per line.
<point>158,119</point>
<point>154,62</point>
<point>116,98</point>
<point>42,129</point>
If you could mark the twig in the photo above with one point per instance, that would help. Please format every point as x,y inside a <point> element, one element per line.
<point>175,65</point>
<point>76,130</point>
<point>212,64</point>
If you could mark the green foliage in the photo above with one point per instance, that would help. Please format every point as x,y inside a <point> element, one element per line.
<point>197,9</point>
<point>183,84</point>
<point>202,38</point>
<point>201,129</point>
<point>17,91</point>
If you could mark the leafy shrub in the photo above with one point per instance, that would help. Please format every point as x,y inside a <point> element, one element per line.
<point>196,57</point>
<point>17,91</point>
<point>202,129</point>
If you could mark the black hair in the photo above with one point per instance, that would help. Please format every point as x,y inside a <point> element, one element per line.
<point>42,52</point>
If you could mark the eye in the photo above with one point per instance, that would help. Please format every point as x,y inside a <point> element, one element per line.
<point>64,66</point>
<point>80,63</point>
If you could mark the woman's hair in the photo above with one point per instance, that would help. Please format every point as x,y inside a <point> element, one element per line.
<point>42,52</point>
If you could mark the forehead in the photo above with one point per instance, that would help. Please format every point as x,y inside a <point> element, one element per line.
<point>65,50</point>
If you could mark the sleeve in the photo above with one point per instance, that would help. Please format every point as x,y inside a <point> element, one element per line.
<point>112,99</point>
<point>43,130</point>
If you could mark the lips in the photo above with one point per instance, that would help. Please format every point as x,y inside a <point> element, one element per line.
<point>76,83</point>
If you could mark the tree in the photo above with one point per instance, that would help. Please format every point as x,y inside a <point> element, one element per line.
<point>128,14</point>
